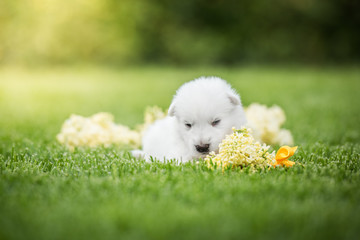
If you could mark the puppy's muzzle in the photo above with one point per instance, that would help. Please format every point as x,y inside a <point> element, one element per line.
<point>204,148</point>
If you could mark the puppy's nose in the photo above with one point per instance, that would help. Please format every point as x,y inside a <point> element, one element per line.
<point>203,148</point>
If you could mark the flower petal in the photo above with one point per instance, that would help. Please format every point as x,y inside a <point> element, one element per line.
<point>288,163</point>
<point>284,153</point>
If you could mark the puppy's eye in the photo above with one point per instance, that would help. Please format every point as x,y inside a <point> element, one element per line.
<point>215,123</point>
<point>188,125</point>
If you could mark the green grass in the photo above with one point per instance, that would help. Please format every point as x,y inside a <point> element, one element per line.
<point>47,192</point>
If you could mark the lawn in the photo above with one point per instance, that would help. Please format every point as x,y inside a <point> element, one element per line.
<point>48,192</point>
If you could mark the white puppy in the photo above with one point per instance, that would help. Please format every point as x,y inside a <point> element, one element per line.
<point>201,114</point>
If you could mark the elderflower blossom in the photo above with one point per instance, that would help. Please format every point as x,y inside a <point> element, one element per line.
<point>97,130</point>
<point>240,150</point>
<point>266,124</point>
<point>151,114</point>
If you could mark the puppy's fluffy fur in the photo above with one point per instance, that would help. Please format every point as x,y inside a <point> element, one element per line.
<point>202,112</point>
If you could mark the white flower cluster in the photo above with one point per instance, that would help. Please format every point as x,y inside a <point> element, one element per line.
<point>266,124</point>
<point>97,130</point>
<point>151,114</point>
<point>240,150</point>
<point>100,130</point>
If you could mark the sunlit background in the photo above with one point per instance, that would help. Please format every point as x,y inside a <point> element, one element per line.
<point>88,56</point>
<point>113,32</point>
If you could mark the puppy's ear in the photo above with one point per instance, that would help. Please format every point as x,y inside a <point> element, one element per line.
<point>171,111</point>
<point>234,98</point>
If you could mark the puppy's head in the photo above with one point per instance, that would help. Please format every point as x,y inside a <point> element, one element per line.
<point>206,109</point>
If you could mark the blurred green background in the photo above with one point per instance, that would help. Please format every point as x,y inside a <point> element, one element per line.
<point>179,32</point>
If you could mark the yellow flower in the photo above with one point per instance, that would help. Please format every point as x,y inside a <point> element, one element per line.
<point>282,155</point>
